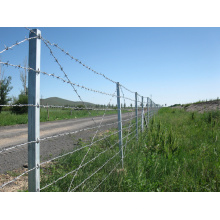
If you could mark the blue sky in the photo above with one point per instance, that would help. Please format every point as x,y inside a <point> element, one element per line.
<point>173,65</point>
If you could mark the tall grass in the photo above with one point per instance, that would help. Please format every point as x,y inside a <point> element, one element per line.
<point>183,151</point>
<point>179,152</point>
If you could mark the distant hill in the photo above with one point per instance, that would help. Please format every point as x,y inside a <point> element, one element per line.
<point>63,102</point>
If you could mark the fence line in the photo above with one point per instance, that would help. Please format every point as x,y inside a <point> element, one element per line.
<point>133,114</point>
<point>63,80</point>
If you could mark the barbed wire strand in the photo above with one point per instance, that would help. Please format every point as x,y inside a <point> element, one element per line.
<point>16,146</point>
<point>57,106</point>
<point>27,171</point>
<point>91,142</point>
<point>17,43</point>
<point>60,78</point>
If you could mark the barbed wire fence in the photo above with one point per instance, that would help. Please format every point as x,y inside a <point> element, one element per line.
<point>110,138</point>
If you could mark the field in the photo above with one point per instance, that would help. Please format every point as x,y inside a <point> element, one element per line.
<point>183,151</point>
<point>8,118</point>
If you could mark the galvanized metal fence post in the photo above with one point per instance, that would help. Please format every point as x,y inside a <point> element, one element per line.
<point>119,122</point>
<point>150,108</point>
<point>34,112</point>
<point>142,115</point>
<point>136,111</point>
<point>154,108</point>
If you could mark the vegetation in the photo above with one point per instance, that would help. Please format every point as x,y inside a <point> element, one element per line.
<point>22,99</point>
<point>18,115</point>
<point>8,118</point>
<point>175,105</point>
<point>101,174</point>
<point>183,151</point>
<point>5,88</point>
<point>198,102</point>
<point>179,152</point>
<point>23,77</point>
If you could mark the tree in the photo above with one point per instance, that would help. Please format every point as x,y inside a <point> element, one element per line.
<point>23,77</point>
<point>1,74</point>
<point>80,106</point>
<point>5,88</point>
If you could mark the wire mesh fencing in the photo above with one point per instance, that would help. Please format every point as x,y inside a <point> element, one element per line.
<point>78,154</point>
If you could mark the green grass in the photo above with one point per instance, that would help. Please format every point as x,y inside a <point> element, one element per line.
<point>178,153</point>
<point>7,118</point>
<point>183,151</point>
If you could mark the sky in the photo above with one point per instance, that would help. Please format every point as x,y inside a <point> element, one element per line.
<point>173,65</point>
<point>173,57</point>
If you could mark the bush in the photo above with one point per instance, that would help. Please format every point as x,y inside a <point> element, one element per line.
<point>23,99</point>
<point>6,108</point>
<point>80,106</point>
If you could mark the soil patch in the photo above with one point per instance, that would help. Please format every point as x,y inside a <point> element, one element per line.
<point>21,184</point>
<point>201,106</point>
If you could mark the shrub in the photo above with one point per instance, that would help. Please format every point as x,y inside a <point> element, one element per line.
<point>23,99</point>
<point>6,108</point>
